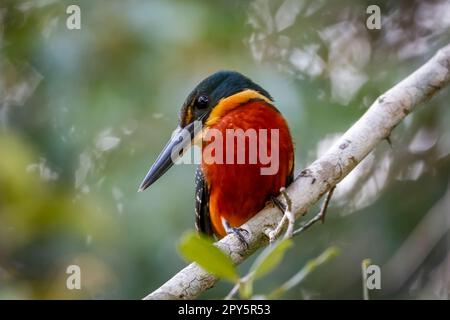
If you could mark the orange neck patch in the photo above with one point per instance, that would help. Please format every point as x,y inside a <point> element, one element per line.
<point>227,104</point>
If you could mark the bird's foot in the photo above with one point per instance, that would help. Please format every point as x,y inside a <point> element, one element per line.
<point>236,231</point>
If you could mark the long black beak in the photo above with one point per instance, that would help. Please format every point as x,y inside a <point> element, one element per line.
<point>173,150</point>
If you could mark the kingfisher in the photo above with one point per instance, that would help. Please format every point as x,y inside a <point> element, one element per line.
<point>231,185</point>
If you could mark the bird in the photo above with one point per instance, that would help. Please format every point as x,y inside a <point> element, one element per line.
<point>229,192</point>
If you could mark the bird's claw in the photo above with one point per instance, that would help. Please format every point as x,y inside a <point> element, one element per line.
<point>278,203</point>
<point>236,231</point>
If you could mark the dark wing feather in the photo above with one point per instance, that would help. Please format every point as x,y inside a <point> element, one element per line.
<point>202,218</point>
<point>290,177</point>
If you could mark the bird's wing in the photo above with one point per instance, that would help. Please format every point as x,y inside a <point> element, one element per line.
<point>202,218</point>
<point>290,177</point>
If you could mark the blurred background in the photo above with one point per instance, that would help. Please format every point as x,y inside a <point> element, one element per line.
<point>84,113</point>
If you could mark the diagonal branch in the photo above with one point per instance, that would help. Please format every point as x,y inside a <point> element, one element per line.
<point>324,173</point>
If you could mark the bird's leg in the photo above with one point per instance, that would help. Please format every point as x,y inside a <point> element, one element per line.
<point>278,203</point>
<point>288,214</point>
<point>236,231</point>
<point>287,217</point>
<point>320,216</point>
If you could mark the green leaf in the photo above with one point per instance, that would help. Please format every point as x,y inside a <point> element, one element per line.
<point>270,258</point>
<point>200,249</point>
<point>246,290</point>
<point>310,266</point>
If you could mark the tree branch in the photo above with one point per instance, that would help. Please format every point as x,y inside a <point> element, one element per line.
<point>324,173</point>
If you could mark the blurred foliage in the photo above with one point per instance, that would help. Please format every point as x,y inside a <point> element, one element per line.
<point>201,250</point>
<point>269,258</point>
<point>42,228</point>
<point>83,113</point>
<point>310,266</point>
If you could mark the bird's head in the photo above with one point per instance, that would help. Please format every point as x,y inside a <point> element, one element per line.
<point>206,104</point>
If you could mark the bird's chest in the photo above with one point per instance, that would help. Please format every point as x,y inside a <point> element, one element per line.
<point>241,159</point>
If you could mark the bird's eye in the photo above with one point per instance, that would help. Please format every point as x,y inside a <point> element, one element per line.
<point>202,102</point>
